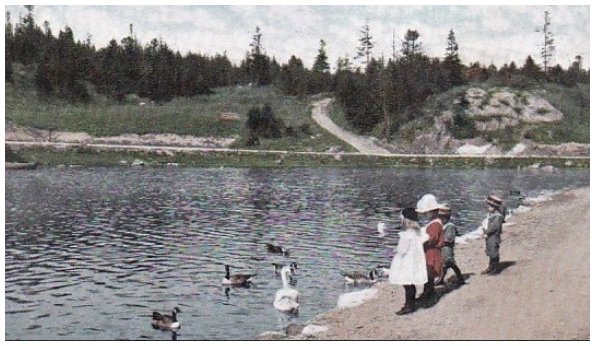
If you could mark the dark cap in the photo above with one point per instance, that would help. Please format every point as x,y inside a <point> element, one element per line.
<point>494,202</point>
<point>444,211</point>
<point>410,213</point>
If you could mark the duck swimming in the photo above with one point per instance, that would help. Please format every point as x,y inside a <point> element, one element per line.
<point>166,322</point>
<point>236,279</point>
<point>277,249</point>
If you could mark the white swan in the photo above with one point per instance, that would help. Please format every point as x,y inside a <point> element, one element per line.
<point>278,266</point>
<point>286,298</point>
<point>381,229</point>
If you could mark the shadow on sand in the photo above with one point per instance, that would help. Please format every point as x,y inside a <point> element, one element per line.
<point>451,285</point>
<point>442,290</point>
<point>504,265</point>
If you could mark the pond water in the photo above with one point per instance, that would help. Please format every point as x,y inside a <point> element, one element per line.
<point>90,253</point>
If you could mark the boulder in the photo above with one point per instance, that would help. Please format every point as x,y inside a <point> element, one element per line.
<point>498,109</point>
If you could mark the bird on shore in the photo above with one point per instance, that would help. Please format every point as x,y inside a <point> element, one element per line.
<point>166,322</point>
<point>286,298</point>
<point>361,278</point>
<point>383,272</point>
<point>278,249</point>
<point>237,279</point>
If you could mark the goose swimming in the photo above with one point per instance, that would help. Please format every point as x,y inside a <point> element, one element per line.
<point>236,279</point>
<point>166,322</point>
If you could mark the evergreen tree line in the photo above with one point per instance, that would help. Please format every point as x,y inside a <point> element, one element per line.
<point>390,92</point>
<point>73,69</point>
<point>378,90</point>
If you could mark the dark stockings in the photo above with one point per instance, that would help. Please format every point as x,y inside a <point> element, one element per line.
<point>409,306</point>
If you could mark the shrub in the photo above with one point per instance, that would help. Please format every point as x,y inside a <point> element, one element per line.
<point>262,122</point>
<point>463,127</point>
<point>11,155</point>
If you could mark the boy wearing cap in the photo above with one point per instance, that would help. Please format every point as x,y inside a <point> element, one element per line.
<point>448,250</point>
<point>491,233</point>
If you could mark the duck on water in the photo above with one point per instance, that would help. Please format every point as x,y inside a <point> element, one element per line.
<point>278,249</point>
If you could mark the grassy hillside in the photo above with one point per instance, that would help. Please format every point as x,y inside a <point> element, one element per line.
<point>574,103</point>
<point>196,116</point>
<point>199,115</point>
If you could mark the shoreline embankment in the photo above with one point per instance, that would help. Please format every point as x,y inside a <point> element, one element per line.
<point>106,154</point>
<point>541,293</point>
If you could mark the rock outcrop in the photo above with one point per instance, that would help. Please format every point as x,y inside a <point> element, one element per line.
<point>498,109</point>
<point>487,111</point>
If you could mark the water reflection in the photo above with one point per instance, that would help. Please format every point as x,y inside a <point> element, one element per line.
<point>115,244</point>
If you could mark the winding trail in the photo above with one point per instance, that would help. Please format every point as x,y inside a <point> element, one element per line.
<point>364,145</point>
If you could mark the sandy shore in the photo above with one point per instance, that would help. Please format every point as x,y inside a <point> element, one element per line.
<point>541,294</point>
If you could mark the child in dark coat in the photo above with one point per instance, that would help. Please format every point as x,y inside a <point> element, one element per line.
<point>491,232</point>
<point>448,250</point>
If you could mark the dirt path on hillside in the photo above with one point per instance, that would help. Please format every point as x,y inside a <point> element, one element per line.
<point>543,293</point>
<point>364,145</point>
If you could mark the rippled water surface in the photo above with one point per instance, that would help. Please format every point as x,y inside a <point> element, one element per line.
<point>90,253</point>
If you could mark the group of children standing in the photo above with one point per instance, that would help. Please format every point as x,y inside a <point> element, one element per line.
<point>425,254</point>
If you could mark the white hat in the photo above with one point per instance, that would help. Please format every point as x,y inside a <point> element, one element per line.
<point>427,203</point>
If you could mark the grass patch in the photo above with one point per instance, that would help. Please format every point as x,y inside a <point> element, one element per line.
<point>196,116</point>
<point>337,115</point>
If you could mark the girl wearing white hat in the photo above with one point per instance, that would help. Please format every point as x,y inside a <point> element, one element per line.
<point>429,206</point>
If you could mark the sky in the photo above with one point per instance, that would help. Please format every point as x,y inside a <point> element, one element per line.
<point>495,34</point>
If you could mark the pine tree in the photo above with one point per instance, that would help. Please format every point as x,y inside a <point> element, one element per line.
<point>29,39</point>
<point>366,44</point>
<point>530,69</point>
<point>321,63</point>
<point>344,64</point>
<point>548,48</point>
<point>410,45</point>
<point>131,63</point>
<point>452,61</point>
<point>8,46</point>
<point>258,63</point>
<point>293,77</point>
